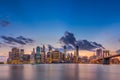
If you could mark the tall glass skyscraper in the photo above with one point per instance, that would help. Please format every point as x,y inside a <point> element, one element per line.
<point>38,55</point>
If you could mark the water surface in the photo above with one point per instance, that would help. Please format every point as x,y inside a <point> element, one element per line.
<point>60,72</point>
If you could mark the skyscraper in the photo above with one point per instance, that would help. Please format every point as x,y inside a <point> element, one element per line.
<point>38,55</point>
<point>99,52</point>
<point>43,56</point>
<point>15,51</point>
<point>65,50</point>
<point>77,53</point>
<point>32,57</point>
<point>49,54</point>
<point>50,49</point>
<point>14,56</point>
<point>21,54</point>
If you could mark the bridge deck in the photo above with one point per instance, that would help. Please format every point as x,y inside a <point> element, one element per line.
<point>108,57</point>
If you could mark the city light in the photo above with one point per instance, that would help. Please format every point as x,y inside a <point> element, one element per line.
<point>41,56</point>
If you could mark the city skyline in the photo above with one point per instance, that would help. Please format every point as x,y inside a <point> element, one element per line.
<point>45,22</point>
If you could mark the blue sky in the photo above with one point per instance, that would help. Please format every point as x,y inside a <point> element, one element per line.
<point>45,21</point>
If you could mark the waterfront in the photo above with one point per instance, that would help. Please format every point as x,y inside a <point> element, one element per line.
<point>59,72</point>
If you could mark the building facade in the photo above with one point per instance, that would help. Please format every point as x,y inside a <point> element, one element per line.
<point>38,55</point>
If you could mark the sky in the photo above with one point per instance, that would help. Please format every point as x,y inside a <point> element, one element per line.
<point>45,21</point>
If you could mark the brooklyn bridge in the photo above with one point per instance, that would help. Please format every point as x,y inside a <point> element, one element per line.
<point>105,58</point>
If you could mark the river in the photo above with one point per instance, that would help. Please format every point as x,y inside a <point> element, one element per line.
<point>60,72</point>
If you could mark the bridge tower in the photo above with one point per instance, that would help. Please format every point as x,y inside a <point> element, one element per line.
<point>106,59</point>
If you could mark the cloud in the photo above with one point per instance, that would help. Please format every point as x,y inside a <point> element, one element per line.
<point>25,40</point>
<point>17,40</point>
<point>50,46</point>
<point>68,38</point>
<point>2,44</point>
<point>4,23</point>
<point>70,42</point>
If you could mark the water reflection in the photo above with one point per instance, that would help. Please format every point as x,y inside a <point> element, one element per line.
<point>16,72</point>
<point>59,72</point>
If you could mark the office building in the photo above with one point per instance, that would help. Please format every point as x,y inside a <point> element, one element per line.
<point>38,55</point>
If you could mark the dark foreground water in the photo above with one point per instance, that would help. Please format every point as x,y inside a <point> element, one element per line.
<point>60,72</point>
